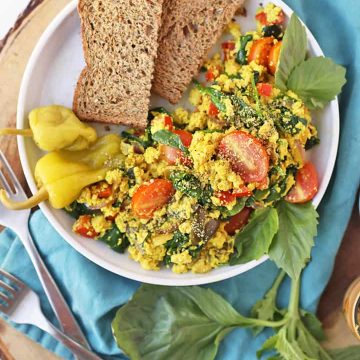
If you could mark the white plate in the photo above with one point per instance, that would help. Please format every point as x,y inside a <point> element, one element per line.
<point>50,78</point>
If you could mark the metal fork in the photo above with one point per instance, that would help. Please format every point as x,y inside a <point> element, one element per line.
<point>18,221</point>
<point>22,305</point>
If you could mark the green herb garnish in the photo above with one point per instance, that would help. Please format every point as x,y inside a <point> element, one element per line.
<point>241,56</point>
<point>168,138</point>
<point>316,80</point>
<point>255,239</point>
<point>115,239</point>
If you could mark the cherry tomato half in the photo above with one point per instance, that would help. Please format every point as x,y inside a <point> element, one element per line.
<point>274,55</point>
<point>84,227</point>
<point>173,155</point>
<point>259,51</point>
<point>306,185</point>
<point>227,197</point>
<point>151,196</point>
<point>246,155</point>
<point>238,221</point>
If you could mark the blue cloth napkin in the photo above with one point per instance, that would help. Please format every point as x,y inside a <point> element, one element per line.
<point>95,294</point>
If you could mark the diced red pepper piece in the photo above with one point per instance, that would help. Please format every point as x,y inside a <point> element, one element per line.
<point>84,227</point>
<point>262,19</point>
<point>264,89</point>
<point>227,46</point>
<point>213,110</point>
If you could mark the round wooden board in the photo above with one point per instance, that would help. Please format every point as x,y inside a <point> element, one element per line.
<point>14,54</point>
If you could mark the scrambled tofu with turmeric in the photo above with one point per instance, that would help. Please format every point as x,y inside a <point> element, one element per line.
<point>187,184</point>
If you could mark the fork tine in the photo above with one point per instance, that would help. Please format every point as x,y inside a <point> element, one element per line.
<point>15,181</point>
<point>4,298</point>
<point>5,183</point>
<point>7,287</point>
<point>12,278</point>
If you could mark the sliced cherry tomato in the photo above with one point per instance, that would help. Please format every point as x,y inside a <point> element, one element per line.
<point>238,221</point>
<point>213,110</point>
<point>241,192</point>
<point>274,55</point>
<point>173,155</point>
<point>151,196</point>
<point>263,184</point>
<point>227,46</point>
<point>262,18</point>
<point>306,185</point>
<point>84,227</point>
<point>246,155</point>
<point>259,51</point>
<point>227,197</point>
<point>264,89</point>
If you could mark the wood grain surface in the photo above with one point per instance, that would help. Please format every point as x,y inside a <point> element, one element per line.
<point>14,53</point>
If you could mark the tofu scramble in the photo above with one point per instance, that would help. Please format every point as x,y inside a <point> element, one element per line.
<point>186,186</point>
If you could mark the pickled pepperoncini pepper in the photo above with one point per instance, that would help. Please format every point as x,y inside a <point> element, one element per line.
<point>61,175</point>
<point>55,128</point>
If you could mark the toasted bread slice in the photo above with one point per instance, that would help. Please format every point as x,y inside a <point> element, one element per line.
<point>120,41</point>
<point>190,28</point>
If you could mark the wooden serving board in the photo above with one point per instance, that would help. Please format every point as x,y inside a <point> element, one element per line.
<point>15,50</point>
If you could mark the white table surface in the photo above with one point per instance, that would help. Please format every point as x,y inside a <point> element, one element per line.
<point>9,11</point>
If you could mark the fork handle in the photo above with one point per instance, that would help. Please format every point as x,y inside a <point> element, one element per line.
<point>57,301</point>
<point>79,351</point>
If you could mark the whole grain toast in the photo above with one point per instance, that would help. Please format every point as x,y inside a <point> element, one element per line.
<point>189,30</point>
<point>120,39</point>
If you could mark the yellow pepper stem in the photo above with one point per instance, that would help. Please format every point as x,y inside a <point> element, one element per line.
<point>40,196</point>
<point>10,131</point>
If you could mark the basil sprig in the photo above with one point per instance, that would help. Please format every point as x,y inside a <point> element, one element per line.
<point>316,80</point>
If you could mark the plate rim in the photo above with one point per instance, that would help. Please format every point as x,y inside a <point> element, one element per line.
<point>152,277</point>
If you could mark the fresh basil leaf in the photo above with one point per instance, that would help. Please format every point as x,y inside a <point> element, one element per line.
<point>134,138</point>
<point>76,209</point>
<point>292,53</point>
<point>288,348</point>
<point>241,56</point>
<point>174,323</point>
<point>349,353</point>
<point>313,325</point>
<point>190,185</point>
<point>291,246</point>
<point>115,239</point>
<point>268,345</point>
<point>255,239</point>
<point>309,345</point>
<point>168,138</point>
<point>266,308</point>
<point>216,96</point>
<point>310,143</point>
<point>275,31</point>
<point>240,204</point>
<point>317,81</point>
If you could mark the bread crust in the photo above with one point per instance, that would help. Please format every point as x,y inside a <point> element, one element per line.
<point>119,48</point>
<point>188,31</point>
